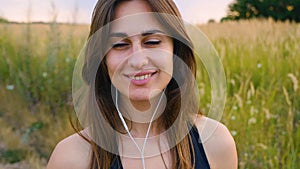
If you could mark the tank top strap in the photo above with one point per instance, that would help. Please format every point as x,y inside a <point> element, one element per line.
<point>116,163</point>
<point>201,161</point>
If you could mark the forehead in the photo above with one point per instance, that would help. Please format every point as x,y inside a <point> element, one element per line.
<point>134,17</point>
<point>136,24</point>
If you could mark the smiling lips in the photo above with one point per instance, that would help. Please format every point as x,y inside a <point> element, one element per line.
<point>141,78</point>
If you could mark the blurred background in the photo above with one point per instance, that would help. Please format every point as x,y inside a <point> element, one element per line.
<point>258,42</point>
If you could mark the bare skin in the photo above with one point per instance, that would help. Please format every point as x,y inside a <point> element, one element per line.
<point>74,152</point>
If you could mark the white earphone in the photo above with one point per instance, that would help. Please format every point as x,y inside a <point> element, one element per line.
<point>148,130</point>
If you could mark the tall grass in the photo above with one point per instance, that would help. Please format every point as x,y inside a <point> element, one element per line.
<point>261,61</point>
<point>262,64</point>
<point>36,69</point>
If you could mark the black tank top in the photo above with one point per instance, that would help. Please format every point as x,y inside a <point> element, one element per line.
<point>200,156</point>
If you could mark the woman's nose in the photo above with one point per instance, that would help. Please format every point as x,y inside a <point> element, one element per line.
<point>138,58</point>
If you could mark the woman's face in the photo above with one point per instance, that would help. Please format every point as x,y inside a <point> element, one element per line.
<point>140,61</point>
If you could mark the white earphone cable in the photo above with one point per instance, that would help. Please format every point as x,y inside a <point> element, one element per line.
<point>148,130</point>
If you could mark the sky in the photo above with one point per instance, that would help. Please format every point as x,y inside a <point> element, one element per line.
<point>79,11</point>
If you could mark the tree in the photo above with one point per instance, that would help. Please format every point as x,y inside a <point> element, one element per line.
<point>277,9</point>
<point>3,20</point>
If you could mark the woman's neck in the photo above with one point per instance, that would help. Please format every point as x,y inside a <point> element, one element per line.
<point>139,130</point>
<point>138,115</point>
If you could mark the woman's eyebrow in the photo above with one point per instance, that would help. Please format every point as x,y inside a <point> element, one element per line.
<point>118,34</point>
<point>150,32</point>
<point>145,33</point>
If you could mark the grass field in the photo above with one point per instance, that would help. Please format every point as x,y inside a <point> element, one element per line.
<point>261,61</point>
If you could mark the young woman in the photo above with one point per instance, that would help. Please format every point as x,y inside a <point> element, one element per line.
<point>141,109</point>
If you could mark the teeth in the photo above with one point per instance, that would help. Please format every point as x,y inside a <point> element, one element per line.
<point>143,77</point>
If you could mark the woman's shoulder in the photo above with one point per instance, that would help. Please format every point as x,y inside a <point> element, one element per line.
<point>72,152</point>
<point>218,143</point>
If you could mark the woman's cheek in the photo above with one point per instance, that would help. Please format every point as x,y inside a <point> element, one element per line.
<point>112,65</point>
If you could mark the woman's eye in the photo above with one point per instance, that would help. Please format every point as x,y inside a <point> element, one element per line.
<point>119,45</point>
<point>152,42</point>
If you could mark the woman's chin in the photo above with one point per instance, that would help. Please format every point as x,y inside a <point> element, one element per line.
<point>144,95</point>
<point>139,97</point>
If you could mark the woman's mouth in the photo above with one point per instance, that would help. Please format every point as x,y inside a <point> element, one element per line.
<point>141,78</point>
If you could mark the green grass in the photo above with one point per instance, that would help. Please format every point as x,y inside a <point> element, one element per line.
<point>261,61</point>
<point>262,65</point>
<point>36,69</point>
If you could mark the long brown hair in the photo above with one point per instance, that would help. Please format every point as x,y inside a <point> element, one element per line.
<point>100,96</point>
